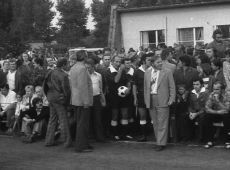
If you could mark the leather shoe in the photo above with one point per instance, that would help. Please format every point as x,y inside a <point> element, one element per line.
<point>159,148</point>
<point>142,139</point>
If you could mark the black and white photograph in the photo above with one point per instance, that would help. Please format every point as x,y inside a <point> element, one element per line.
<point>114,84</point>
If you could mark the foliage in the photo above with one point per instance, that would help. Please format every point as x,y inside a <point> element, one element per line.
<point>73,22</point>
<point>23,21</point>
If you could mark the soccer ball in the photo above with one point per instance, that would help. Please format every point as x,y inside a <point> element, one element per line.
<point>121,91</point>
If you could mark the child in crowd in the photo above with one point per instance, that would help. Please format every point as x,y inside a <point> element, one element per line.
<point>34,120</point>
<point>27,98</point>
<point>181,111</point>
<point>39,93</point>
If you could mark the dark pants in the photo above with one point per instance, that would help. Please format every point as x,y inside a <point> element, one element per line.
<point>209,129</point>
<point>82,116</point>
<point>96,118</point>
<point>58,112</point>
<point>186,129</point>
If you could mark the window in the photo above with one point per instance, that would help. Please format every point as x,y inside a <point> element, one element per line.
<point>226,31</point>
<point>190,36</point>
<point>152,38</point>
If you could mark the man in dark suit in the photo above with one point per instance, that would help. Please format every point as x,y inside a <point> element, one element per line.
<point>81,99</point>
<point>57,89</point>
<point>159,94</point>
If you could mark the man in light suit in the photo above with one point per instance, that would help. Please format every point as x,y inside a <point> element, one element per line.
<point>81,99</point>
<point>159,94</point>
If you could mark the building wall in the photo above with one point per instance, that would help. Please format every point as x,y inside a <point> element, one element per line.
<point>207,17</point>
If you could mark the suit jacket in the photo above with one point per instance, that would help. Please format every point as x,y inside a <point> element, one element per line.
<point>56,86</point>
<point>165,88</point>
<point>81,85</point>
<point>2,78</point>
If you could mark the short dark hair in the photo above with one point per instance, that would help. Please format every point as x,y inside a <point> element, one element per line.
<point>144,56</point>
<point>5,86</point>
<point>61,62</point>
<point>198,79</point>
<point>165,53</point>
<point>217,62</point>
<point>185,59</point>
<point>217,31</point>
<point>38,61</point>
<point>81,55</point>
<point>90,61</point>
<point>36,100</point>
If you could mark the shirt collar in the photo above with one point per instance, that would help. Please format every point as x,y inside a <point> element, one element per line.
<point>141,68</point>
<point>131,71</point>
<point>202,90</point>
<point>112,69</point>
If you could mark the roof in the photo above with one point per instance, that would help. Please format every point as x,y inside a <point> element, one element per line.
<point>173,6</point>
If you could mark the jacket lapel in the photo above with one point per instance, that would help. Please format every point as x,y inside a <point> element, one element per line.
<point>148,72</point>
<point>161,75</point>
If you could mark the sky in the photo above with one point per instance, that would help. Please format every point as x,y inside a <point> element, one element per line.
<point>90,24</point>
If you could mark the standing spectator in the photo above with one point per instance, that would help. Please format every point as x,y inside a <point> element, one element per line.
<point>57,89</point>
<point>166,55</point>
<point>6,66</point>
<point>226,68</point>
<point>11,74</point>
<point>82,100</point>
<point>218,75</point>
<point>218,44</point>
<point>2,78</point>
<point>185,74</point>
<point>38,73</point>
<point>22,77</point>
<point>159,94</point>
<point>26,61</point>
<point>210,52</point>
<point>181,113</point>
<point>98,101</point>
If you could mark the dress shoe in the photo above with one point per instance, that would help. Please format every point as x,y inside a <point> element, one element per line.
<point>159,148</point>
<point>142,139</point>
<point>90,147</point>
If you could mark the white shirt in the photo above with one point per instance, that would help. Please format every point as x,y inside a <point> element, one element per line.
<point>11,79</point>
<point>7,100</point>
<point>154,80</point>
<point>97,83</point>
<point>20,106</point>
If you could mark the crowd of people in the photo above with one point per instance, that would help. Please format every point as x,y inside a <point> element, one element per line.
<point>117,95</point>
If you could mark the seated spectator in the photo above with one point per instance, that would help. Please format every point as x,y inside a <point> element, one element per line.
<point>217,109</point>
<point>39,93</point>
<point>196,109</point>
<point>8,103</point>
<point>27,98</point>
<point>34,121</point>
<point>6,66</point>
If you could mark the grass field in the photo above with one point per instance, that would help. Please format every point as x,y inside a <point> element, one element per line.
<point>14,155</point>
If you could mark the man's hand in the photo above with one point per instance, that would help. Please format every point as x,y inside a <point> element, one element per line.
<point>192,116</point>
<point>122,67</point>
<point>222,112</point>
<point>170,103</point>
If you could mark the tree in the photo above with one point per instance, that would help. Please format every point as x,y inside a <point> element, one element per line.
<point>73,22</point>
<point>31,19</point>
<point>101,14</point>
